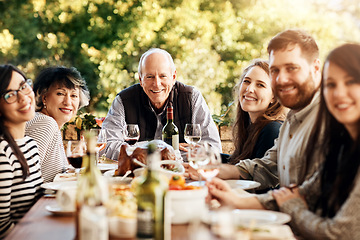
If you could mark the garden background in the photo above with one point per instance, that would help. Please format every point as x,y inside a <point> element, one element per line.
<point>210,41</point>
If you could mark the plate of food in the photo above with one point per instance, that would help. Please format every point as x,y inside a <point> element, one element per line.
<point>103,167</point>
<point>137,158</point>
<point>111,176</point>
<point>57,185</point>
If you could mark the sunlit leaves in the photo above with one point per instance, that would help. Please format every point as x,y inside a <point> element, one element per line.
<point>211,40</point>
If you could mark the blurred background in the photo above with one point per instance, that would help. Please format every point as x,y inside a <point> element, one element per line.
<point>211,41</point>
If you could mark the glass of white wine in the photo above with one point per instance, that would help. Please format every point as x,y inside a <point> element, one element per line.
<point>192,133</point>
<point>100,141</point>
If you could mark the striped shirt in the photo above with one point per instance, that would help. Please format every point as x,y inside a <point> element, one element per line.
<point>46,133</point>
<point>17,195</point>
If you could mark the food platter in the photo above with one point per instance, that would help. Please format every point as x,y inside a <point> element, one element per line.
<point>103,167</point>
<point>110,176</point>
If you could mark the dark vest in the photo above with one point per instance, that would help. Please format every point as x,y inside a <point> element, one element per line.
<point>138,109</point>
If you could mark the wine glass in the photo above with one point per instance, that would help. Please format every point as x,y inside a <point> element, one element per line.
<point>192,133</point>
<point>210,167</point>
<point>131,134</point>
<point>196,155</point>
<point>100,141</point>
<point>75,151</point>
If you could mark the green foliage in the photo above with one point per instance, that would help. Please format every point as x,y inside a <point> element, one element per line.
<point>211,41</point>
<point>83,122</point>
<point>223,119</point>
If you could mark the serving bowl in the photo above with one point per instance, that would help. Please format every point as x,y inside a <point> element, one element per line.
<point>121,227</point>
<point>186,205</point>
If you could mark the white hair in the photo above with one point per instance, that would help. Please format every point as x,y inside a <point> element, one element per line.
<point>156,50</point>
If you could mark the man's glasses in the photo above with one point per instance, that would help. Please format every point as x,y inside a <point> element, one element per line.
<point>11,96</point>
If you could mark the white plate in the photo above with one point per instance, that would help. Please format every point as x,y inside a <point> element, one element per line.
<point>57,210</point>
<point>57,185</point>
<point>261,217</point>
<point>110,175</point>
<point>106,166</point>
<point>243,184</point>
<point>65,177</point>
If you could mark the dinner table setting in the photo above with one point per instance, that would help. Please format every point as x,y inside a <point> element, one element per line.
<point>186,213</point>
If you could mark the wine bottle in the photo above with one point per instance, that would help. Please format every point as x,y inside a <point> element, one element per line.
<point>150,195</point>
<point>92,193</point>
<point>170,132</point>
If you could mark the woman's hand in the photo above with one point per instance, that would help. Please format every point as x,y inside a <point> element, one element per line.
<point>285,194</point>
<point>221,191</point>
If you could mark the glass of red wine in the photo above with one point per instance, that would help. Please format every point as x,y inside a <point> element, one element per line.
<point>75,151</point>
<point>131,134</point>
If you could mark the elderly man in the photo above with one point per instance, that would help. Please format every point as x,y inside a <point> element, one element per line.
<point>296,75</point>
<point>145,104</point>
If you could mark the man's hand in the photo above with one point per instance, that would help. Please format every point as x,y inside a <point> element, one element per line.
<point>190,172</point>
<point>183,147</point>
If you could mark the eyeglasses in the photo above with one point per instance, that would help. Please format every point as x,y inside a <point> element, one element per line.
<point>11,96</point>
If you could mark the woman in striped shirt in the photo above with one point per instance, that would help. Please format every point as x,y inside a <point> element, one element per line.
<point>20,175</point>
<point>60,92</point>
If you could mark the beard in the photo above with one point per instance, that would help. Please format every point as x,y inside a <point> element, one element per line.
<point>304,95</point>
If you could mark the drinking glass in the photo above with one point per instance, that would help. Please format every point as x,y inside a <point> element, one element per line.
<point>75,151</point>
<point>131,134</point>
<point>192,133</point>
<point>210,167</point>
<point>196,154</point>
<point>100,141</point>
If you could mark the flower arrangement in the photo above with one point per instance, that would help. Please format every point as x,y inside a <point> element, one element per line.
<point>82,122</point>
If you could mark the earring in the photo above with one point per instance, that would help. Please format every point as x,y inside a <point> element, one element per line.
<point>44,105</point>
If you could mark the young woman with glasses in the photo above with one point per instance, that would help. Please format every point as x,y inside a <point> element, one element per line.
<point>20,175</point>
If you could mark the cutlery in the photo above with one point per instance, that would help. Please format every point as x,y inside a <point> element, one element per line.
<point>139,163</point>
<point>125,175</point>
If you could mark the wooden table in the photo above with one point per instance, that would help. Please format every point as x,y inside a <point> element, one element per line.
<point>39,224</point>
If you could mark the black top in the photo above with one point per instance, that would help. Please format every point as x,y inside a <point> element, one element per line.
<point>264,142</point>
<point>266,139</point>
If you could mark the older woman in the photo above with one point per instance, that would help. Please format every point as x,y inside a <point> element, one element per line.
<point>60,92</point>
<point>20,175</point>
<point>259,113</point>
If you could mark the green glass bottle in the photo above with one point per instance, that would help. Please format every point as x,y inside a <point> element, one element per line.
<point>150,197</point>
<point>92,193</point>
<point>170,132</point>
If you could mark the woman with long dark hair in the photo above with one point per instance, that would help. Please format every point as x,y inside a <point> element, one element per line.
<point>20,175</point>
<point>329,207</point>
<point>259,114</point>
